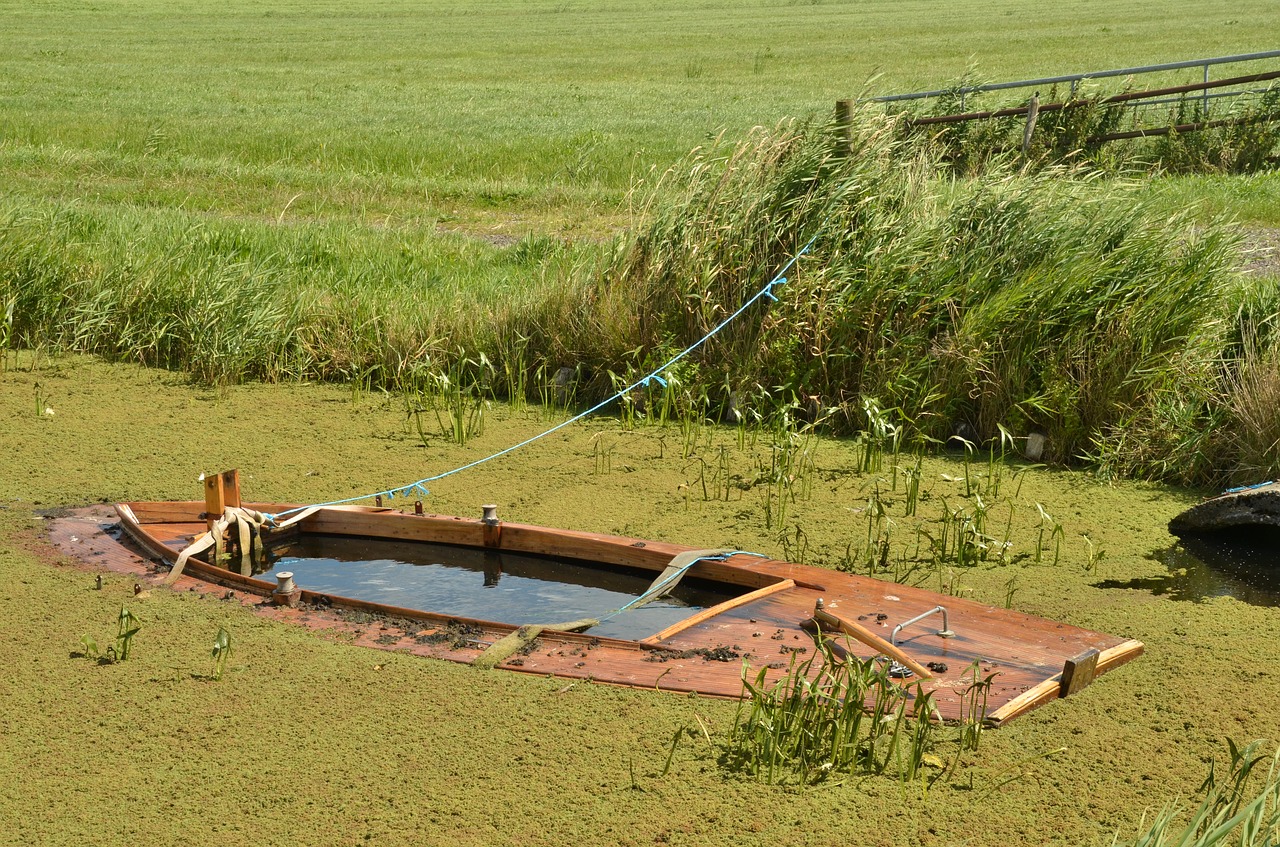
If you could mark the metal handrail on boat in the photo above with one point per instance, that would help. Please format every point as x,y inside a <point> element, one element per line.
<point>945,632</point>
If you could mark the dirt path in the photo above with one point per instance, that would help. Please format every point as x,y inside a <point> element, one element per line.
<point>1262,252</point>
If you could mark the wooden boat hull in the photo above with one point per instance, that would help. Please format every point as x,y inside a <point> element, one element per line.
<point>708,653</point>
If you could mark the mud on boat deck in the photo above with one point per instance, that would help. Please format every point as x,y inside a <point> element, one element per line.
<point>705,654</point>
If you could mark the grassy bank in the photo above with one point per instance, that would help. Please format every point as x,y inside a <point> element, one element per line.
<point>283,192</point>
<point>1009,301</point>
<point>387,749</point>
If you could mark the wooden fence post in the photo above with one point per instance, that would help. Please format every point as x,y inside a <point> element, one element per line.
<point>844,125</point>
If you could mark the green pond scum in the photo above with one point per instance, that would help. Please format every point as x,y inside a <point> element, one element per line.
<point>305,737</point>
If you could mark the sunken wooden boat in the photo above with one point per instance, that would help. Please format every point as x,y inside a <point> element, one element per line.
<point>746,612</point>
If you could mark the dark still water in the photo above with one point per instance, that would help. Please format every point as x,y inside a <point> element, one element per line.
<point>488,585</point>
<point>1243,563</point>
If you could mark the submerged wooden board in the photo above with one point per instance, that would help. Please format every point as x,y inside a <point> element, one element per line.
<point>708,654</point>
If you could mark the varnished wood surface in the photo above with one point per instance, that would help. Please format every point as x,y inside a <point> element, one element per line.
<point>1025,653</point>
<point>719,609</point>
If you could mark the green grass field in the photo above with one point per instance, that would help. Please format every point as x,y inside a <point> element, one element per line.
<point>496,118</point>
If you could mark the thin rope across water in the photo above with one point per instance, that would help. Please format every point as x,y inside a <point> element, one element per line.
<point>420,486</point>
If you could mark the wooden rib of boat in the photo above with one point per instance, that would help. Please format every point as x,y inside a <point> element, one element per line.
<point>768,619</point>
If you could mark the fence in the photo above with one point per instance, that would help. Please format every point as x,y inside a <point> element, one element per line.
<point>1134,102</point>
<point>1075,79</point>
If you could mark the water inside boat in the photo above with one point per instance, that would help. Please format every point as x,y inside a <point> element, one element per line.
<point>489,584</point>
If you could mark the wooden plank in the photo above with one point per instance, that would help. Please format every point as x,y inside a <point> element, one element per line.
<point>129,522</point>
<point>214,501</point>
<point>230,482</point>
<point>712,611</point>
<point>1035,696</point>
<point>189,510</point>
<point>591,547</point>
<point>153,513</point>
<point>872,640</point>
<point>1048,690</point>
<point>1114,657</point>
<point>1078,672</point>
<point>804,576</point>
<point>631,552</point>
<point>388,523</point>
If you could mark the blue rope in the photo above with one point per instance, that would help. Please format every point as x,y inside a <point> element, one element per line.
<point>656,375</point>
<point>1249,487</point>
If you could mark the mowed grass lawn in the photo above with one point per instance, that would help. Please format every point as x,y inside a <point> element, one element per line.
<point>495,117</point>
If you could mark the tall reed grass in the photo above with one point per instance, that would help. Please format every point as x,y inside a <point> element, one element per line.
<point>930,305</point>
<point>234,302</point>
<point>1049,300</point>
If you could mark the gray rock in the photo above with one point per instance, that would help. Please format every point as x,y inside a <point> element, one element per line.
<point>1257,505</point>
<point>563,384</point>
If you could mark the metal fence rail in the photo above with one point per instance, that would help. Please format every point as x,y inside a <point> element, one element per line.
<point>1183,108</point>
<point>1076,79</point>
<point>1157,96</point>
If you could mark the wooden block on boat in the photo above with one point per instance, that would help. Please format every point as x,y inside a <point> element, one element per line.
<point>214,501</point>
<point>220,490</point>
<point>230,481</point>
<point>1078,673</point>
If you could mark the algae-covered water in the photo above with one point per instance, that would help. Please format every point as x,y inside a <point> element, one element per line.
<point>1243,563</point>
<point>309,740</point>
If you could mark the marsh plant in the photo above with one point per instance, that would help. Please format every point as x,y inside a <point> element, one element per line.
<point>1238,808</point>
<point>1050,532</point>
<point>43,409</point>
<point>831,715</point>
<point>788,474</point>
<point>221,653</point>
<point>973,699</point>
<point>456,397</point>
<point>6,330</point>
<point>973,522</point>
<point>127,626</point>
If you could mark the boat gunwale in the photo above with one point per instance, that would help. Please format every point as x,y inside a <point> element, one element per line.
<point>652,556</point>
<point>1023,647</point>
